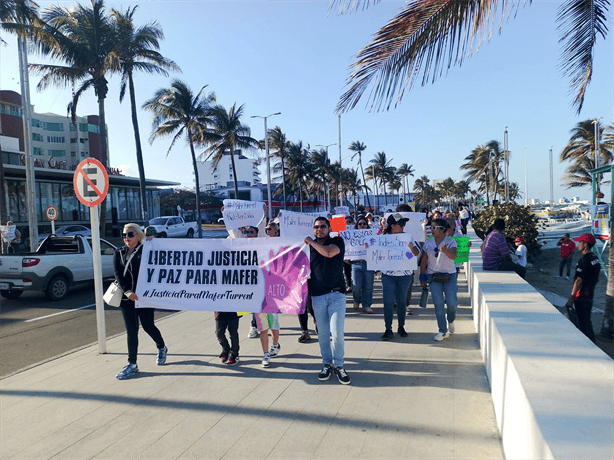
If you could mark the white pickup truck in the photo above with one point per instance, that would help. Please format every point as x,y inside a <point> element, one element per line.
<point>173,227</point>
<point>59,263</point>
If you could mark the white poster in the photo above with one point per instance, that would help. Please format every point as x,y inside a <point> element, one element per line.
<point>342,210</point>
<point>267,275</point>
<point>355,243</point>
<point>296,225</point>
<point>391,252</point>
<point>241,213</point>
<point>414,225</point>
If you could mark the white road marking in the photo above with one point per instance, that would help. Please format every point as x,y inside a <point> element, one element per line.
<point>59,313</point>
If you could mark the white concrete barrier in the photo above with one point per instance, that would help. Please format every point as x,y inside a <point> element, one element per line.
<point>552,388</point>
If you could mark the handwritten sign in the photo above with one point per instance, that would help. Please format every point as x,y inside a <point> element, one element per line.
<point>355,243</point>
<point>297,225</point>
<point>342,210</point>
<point>414,225</point>
<point>462,244</point>
<point>267,275</point>
<point>391,252</point>
<point>241,213</point>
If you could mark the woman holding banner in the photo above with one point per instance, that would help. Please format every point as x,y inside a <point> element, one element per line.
<point>362,287</point>
<point>438,270</point>
<point>126,265</point>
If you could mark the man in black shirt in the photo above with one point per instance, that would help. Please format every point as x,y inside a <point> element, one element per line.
<point>327,291</point>
<point>585,279</point>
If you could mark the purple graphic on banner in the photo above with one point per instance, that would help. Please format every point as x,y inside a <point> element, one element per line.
<point>286,281</point>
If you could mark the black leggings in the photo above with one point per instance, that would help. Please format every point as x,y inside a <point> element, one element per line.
<point>132,316</point>
<point>303,318</point>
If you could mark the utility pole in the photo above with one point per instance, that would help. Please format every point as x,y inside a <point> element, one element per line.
<point>507,167</point>
<point>551,180</point>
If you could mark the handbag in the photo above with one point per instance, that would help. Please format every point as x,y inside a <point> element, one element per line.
<point>113,296</point>
<point>441,277</point>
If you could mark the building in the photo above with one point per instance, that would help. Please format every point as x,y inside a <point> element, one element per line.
<point>57,150</point>
<point>218,177</point>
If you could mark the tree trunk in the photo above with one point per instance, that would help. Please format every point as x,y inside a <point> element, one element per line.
<point>234,176</point>
<point>363,178</point>
<point>300,193</point>
<point>198,219</point>
<point>283,176</point>
<point>104,159</point>
<point>139,151</point>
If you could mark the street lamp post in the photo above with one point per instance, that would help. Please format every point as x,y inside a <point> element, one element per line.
<point>507,167</point>
<point>596,123</point>
<point>328,185</point>
<point>268,160</point>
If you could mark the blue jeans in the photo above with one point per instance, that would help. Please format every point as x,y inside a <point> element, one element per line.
<point>362,287</point>
<point>330,317</point>
<point>395,289</point>
<point>437,291</point>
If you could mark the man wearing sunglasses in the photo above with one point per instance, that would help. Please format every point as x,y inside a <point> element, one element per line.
<point>327,290</point>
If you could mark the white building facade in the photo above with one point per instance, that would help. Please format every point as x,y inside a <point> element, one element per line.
<point>221,178</point>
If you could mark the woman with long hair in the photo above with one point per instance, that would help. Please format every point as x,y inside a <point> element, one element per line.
<point>362,287</point>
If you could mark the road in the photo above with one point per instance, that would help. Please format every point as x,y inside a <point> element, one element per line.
<point>34,329</point>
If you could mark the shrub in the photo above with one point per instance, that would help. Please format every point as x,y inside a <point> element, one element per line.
<point>519,222</point>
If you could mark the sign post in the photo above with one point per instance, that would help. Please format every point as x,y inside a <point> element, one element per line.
<point>91,184</point>
<point>52,215</point>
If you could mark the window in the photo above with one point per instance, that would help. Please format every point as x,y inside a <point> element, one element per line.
<point>93,128</point>
<point>73,140</point>
<point>82,140</point>
<point>36,123</point>
<point>37,137</point>
<point>57,153</point>
<point>55,139</point>
<point>73,154</point>
<point>83,127</point>
<point>83,154</point>
<point>37,151</point>
<point>10,110</point>
<point>53,126</point>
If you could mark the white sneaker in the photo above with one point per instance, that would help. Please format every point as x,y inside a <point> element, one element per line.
<point>439,337</point>
<point>266,360</point>
<point>275,349</point>
<point>451,327</point>
<point>253,333</point>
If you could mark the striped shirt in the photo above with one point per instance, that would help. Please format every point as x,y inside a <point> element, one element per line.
<point>494,250</point>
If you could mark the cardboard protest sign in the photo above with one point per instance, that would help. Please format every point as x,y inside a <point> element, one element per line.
<point>462,244</point>
<point>296,225</point>
<point>342,210</point>
<point>241,213</point>
<point>355,243</point>
<point>337,224</point>
<point>414,225</point>
<point>267,275</point>
<point>391,252</point>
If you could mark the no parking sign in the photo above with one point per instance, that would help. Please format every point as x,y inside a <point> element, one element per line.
<point>91,182</point>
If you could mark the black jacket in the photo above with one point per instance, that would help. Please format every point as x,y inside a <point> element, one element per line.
<point>127,282</point>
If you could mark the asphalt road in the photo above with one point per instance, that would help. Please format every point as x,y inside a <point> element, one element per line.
<point>34,329</point>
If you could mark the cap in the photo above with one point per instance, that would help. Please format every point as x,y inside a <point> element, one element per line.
<point>396,218</point>
<point>586,237</point>
<point>518,240</point>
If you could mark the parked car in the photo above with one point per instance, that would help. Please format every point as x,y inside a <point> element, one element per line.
<point>67,230</point>
<point>59,263</point>
<point>173,227</point>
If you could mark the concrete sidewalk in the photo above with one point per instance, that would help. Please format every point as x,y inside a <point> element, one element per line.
<point>409,398</point>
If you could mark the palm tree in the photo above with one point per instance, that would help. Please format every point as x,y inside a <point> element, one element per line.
<point>461,189</point>
<point>299,168</point>
<point>372,175</point>
<point>359,147</point>
<point>322,171</point>
<point>483,165</point>
<point>137,50</point>
<point>425,36</point>
<point>278,141</point>
<point>422,186</point>
<point>380,167</point>
<point>580,151</point>
<point>83,38</point>
<point>176,111</point>
<point>227,133</point>
<point>405,171</point>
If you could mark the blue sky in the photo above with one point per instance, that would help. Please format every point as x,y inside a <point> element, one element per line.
<point>293,57</point>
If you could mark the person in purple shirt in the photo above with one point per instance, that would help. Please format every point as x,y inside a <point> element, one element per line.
<point>496,254</point>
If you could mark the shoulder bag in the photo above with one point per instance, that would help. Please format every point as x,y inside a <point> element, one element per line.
<point>114,294</point>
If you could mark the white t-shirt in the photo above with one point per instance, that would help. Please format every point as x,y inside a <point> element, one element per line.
<point>446,264</point>
<point>521,253</point>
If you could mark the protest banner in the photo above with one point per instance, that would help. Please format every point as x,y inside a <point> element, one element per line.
<point>355,243</point>
<point>342,210</point>
<point>267,275</point>
<point>414,225</point>
<point>390,252</point>
<point>297,225</point>
<point>241,213</point>
<point>462,244</point>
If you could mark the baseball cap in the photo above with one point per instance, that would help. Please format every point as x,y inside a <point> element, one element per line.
<point>586,237</point>
<point>396,218</point>
<point>518,240</point>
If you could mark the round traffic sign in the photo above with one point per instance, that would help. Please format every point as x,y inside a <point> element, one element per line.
<point>51,213</point>
<point>91,182</point>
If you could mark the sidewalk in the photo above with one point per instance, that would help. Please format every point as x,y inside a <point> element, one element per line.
<point>409,398</point>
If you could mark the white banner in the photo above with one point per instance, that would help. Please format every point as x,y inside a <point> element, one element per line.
<point>391,252</point>
<point>297,225</point>
<point>414,225</point>
<point>241,213</point>
<point>355,243</point>
<point>267,275</point>
<point>342,210</point>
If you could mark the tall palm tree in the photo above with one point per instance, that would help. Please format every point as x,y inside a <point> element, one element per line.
<point>370,174</point>
<point>227,133</point>
<point>580,151</point>
<point>405,171</point>
<point>483,165</point>
<point>322,171</point>
<point>137,50</point>
<point>426,36</point>
<point>84,39</point>
<point>359,147</point>
<point>381,164</point>
<point>299,168</point>
<point>422,187</point>
<point>279,142</point>
<point>178,112</point>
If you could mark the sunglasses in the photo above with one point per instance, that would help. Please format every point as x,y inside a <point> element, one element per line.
<point>361,223</point>
<point>250,232</point>
<point>128,235</point>
<point>318,227</point>
<point>436,251</point>
<point>440,228</point>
